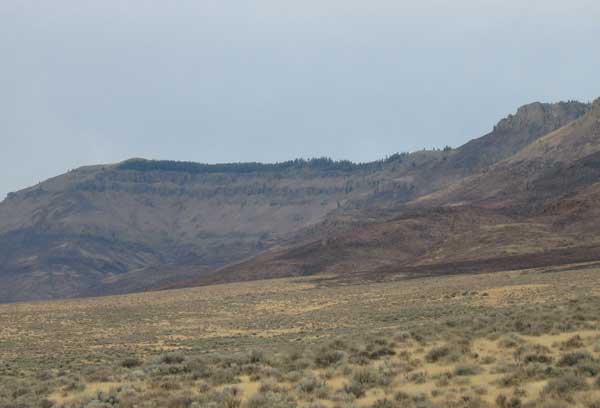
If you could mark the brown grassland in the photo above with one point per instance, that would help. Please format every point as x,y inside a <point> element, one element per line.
<point>507,339</point>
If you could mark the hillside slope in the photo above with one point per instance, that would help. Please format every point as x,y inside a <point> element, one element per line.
<point>534,208</point>
<point>121,228</point>
<point>142,225</point>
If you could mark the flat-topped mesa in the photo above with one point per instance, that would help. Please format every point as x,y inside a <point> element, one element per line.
<point>318,164</point>
<point>152,224</point>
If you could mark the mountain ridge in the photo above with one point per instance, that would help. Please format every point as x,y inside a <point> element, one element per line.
<point>143,225</point>
<point>521,217</point>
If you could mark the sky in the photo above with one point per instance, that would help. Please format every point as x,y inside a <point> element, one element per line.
<point>87,82</point>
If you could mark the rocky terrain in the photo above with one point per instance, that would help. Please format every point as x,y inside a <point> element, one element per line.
<point>521,196</point>
<point>533,208</point>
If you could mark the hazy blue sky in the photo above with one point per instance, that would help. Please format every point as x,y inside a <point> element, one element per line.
<point>231,80</point>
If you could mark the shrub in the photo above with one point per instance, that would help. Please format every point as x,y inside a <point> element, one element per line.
<point>573,342</point>
<point>178,401</point>
<point>256,357</point>
<point>537,358</point>
<point>293,376</point>
<point>360,358</point>
<point>436,354</point>
<point>170,385</point>
<point>503,401</point>
<point>270,387</point>
<point>384,403</point>
<point>588,368</point>
<point>562,387</point>
<point>365,376</point>
<point>419,377</point>
<point>380,350</point>
<point>510,341</point>
<point>131,362</point>
<point>310,384</point>
<point>532,354</point>
<point>355,388</point>
<point>230,398</point>
<point>223,376</point>
<point>99,374</point>
<point>386,374</point>
<point>271,400</point>
<point>46,404</point>
<point>472,401</point>
<point>401,396</point>
<point>443,379</point>
<point>326,357</point>
<point>172,358</point>
<point>466,370</point>
<point>510,380</point>
<point>572,359</point>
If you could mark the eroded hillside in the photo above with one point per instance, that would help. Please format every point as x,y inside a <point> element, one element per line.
<point>141,225</point>
<point>533,208</point>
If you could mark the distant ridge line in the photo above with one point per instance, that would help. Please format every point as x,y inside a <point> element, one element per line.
<point>322,163</point>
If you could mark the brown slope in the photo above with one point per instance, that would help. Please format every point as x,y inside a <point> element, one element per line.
<point>509,136</point>
<point>115,229</point>
<point>543,169</point>
<point>514,133</point>
<point>457,239</point>
<point>535,208</point>
<point>108,229</point>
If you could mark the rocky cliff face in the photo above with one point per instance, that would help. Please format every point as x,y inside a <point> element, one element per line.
<point>514,132</point>
<point>88,229</point>
<point>535,208</point>
<point>143,225</point>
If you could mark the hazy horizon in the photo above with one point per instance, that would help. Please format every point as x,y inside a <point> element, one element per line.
<point>209,81</point>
